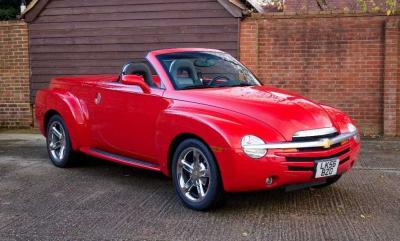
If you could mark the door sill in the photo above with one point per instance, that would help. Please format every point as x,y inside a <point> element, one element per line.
<point>120,159</point>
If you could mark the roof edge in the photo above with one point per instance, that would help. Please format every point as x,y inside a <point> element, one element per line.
<point>256,5</point>
<point>33,10</point>
<point>35,7</point>
<point>234,10</point>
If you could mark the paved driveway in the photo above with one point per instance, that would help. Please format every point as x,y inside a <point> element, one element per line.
<point>98,200</point>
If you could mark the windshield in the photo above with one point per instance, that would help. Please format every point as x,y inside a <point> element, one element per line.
<point>195,70</point>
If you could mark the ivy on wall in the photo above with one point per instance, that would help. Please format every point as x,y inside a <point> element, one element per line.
<point>390,7</point>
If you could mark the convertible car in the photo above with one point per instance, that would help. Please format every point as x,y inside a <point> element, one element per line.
<point>201,117</point>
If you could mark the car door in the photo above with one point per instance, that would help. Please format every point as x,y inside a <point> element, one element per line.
<point>124,120</point>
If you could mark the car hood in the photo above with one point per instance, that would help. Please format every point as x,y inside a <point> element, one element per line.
<point>285,112</point>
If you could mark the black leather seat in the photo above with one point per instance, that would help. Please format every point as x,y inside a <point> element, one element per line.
<point>179,65</point>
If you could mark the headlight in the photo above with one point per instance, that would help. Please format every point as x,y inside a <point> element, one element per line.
<point>352,128</point>
<point>249,140</point>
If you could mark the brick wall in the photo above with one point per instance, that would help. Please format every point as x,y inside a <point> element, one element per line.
<point>391,75</point>
<point>348,61</point>
<point>15,108</point>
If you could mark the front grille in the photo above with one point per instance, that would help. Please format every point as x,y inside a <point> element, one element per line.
<point>304,158</point>
<point>316,138</point>
<point>313,138</point>
<point>319,148</point>
<point>312,159</point>
<point>344,156</point>
<point>294,168</point>
<point>344,160</point>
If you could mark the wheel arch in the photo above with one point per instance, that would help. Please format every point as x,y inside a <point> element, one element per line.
<point>221,130</point>
<point>68,106</point>
<point>179,139</point>
<point>184,136</point>
<point>49,113</point>
<point>178,126</point>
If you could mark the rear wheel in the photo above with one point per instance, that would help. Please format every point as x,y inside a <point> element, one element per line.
<point>58,142</point>
<point>195,175</point>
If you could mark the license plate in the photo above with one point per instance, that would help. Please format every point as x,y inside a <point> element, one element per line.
<point>326,167</point>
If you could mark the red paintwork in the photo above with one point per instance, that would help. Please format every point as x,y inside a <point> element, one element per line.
<point>137,80</point>
<point>157,80</point>
<point>143,126</point>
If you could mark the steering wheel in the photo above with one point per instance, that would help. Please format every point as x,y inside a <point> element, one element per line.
<point>219,77</point>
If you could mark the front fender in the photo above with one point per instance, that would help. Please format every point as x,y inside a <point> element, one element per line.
<point>339,119</point>
<point>220,129</point>
<point>71,109</point>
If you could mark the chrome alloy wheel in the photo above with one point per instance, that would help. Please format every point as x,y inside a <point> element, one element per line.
<point>57,141</point>
<point>193,173</point>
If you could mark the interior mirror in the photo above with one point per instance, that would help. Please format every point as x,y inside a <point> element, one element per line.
<point>138,80</point>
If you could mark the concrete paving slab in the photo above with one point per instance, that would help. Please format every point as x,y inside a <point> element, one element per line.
<point>98,200</point>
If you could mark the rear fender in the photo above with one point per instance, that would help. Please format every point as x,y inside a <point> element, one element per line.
<point>71,109</point>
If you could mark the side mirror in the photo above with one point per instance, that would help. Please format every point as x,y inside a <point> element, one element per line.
<point>133,79</point>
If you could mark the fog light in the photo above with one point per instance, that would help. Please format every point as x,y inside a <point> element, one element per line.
<point>269,180</point>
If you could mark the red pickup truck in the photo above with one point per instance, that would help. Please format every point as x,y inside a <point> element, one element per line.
<point>203,118</point>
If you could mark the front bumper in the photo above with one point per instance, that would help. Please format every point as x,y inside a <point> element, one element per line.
<point>285,166</point>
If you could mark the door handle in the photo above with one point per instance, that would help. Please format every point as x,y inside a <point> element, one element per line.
<point>97,100</point>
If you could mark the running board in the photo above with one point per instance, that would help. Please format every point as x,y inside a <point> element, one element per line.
<point>120,159</point>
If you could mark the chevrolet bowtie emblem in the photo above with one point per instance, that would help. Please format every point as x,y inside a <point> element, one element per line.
<point>326,143</point>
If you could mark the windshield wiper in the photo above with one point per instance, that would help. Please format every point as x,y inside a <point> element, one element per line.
<point>194,87</point>
<point>217,86</point>
<point>242,85</point>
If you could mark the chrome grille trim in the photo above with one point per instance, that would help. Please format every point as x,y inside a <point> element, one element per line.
<point>315,132</point>
<point>323,142</point>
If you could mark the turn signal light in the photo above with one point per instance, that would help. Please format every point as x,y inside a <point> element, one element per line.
<point>344,142</point>
<point>289,150</point>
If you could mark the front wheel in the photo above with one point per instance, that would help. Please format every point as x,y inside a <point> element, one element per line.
<point>195,175</point>
<point>58,142</point>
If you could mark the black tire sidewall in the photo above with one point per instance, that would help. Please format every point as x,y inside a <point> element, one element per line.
<point>215,191</point>
<point>68,150</point>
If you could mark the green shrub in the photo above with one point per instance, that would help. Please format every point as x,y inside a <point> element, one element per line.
<point>8,12</point>
<point>9,9</point>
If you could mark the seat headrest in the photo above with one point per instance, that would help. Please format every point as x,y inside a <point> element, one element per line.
<point>184,65</point>
<point>139,69</point>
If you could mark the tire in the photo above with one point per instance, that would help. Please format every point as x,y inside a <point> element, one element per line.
<point>329,181</point>
<point>196,176</point>
<point>58,142</point>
